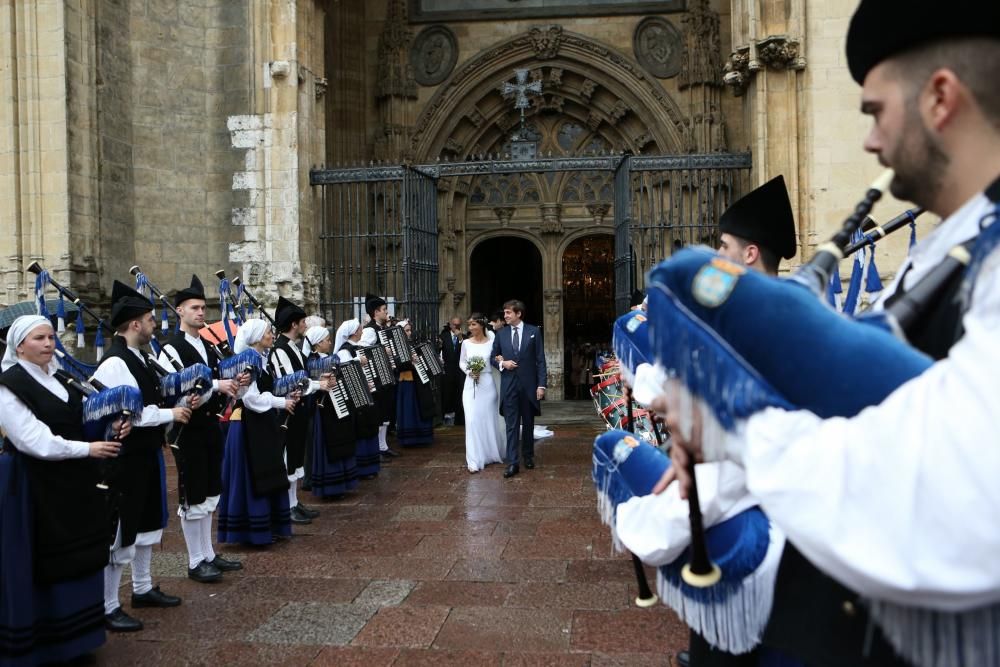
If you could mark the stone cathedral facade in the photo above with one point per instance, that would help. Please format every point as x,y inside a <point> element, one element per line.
<point>179,135</point>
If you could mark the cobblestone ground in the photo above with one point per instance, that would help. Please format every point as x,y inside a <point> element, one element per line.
<point>426,565</point>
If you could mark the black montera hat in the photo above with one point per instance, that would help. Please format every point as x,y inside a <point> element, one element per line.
<point>881,29</point>
<point>195,291</point>
<point>373,303</point>
<point>127,304</point>
<point>763,216</point>
<point>286,314</point>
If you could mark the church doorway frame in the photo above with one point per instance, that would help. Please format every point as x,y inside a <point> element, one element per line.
<point>534,304</point>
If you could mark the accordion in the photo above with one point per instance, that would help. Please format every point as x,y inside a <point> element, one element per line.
<point>427,363</point>
<point>395,339</point>
<point>354,386</point>
<point>378,369</point>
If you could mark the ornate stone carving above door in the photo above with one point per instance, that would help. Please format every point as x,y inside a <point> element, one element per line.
<point>657,45</point>
<point>434,54</point>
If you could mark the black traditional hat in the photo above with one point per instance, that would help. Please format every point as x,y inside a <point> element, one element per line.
<point>127,304</point>
<point>195,291</point>
<point>881,29</point>
<point>286,314</point>
<point>763,216</point>
<point>373,303</point>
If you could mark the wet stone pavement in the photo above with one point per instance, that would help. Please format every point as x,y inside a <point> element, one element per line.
<point>425,565</point>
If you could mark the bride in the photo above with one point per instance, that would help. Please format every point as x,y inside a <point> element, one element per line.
<point>483,441</point>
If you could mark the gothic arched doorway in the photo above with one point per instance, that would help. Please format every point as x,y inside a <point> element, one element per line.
<point>588,307</point>
<point>504,268</point>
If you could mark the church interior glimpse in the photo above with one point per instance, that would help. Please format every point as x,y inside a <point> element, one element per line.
<point>506,268</point>
<point>588,308</point>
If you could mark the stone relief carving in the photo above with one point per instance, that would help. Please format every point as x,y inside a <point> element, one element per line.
<point>554,102</point>
<point>450,283</point>
<point>701,59</point>
<point>475,116</point>
<point>617,112</point>
<point>555,77</point>
<point>657,45</point>
<point>553,308</point>
<point>551,222</point>
<point>458,297</point>
<point>504,214</point>
<point>545,40</point>
<point>587,89</point>
<point>434,54</point>
<point>453,145</point>
<point>598,211</point>
<point>594,120</point>
<point>779,52</point>
<point>737,71</point>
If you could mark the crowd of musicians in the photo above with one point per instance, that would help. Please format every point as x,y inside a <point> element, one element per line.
<point>288,406</point>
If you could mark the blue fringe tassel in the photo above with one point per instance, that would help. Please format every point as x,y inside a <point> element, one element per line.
<point>834,288</point>
<point>286,384</point>
<point>854,288</point>
<point>175,385</point>
<point>247,360</point>
<point>61,315</point>
<point>75,367</point>
<point>913,235</point>
<point>164,322</point>
<point>318,366</point>
<point>873,283</point>
<point>111,402</point>
<point>81,330</point>
<point>99,343</point>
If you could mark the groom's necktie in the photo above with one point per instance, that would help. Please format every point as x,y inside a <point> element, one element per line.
<point>517,343</point>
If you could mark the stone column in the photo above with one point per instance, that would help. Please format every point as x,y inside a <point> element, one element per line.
<point>552,320</point>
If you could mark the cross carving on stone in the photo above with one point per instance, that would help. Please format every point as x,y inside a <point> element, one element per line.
<point>521,88</point>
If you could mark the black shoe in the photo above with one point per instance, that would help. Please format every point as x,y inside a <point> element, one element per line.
<point>368,477</point>
<point>226,565</point>
<point>391,452</point>
<point>154,598</point>
<point>205,573</point>
<point>119,621</point>
<point>683,658</point>
<point>529,463</point>
<point>312,514</point>
<point>300,518</point>
<point>511,470</point>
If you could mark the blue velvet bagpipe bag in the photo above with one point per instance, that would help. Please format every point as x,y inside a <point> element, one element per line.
<point>743,341</point>
<point>630,341</point>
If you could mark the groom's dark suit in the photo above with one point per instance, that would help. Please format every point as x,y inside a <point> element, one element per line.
<point>518,399</point>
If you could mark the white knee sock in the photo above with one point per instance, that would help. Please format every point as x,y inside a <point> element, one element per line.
<point>142,575</point>
<point>206,538</point>
<point>192,538</point>
<point>383,445</point>
<point>112,582</point>
<point>293,494</point>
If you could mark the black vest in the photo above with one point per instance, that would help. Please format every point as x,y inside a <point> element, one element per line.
<point>71,515</point>
<point>145,439</point>
<point>207,412</point>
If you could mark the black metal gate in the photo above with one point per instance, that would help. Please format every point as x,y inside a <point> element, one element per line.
<point>379,224</point>
<point>379,237</point>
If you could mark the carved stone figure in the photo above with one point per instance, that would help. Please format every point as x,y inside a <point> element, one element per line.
<point>657,46</point>
<point>434,54</point>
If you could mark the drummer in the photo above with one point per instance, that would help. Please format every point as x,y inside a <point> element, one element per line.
<point>54,524</point>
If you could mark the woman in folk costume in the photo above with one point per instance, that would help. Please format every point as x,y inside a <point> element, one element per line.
<point>254,505</point>
<point>54,521</point>
<point>366,421</point>
<point>334,468</point>
<point>414,404</point>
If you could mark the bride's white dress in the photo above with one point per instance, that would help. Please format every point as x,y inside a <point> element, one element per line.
<point>483,441</point>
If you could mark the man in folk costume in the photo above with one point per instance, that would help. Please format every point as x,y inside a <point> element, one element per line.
<point>286,358</point>
<point>385,398</point>
<point>758,230</point>
<point>200,444</point>
<point>891,513</point>
<point>137,482</point>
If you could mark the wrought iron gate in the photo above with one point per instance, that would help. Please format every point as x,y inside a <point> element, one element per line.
<point>379,224</point>
<point>379,236</point>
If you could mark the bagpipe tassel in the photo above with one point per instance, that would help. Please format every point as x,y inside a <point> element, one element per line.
<point>61,315</point>
<point>164,322</point>
<point>834,290</point>
<point>854,288</point>
<point>41,280</point>
<point>99,343</point>
<point>80,329</point>
<point>873,283</point>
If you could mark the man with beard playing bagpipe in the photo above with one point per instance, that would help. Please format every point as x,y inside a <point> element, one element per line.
<point>334,467</point>
<point>891,508</point>
<point>54,519</point>
<point>285,359</point>
<point>139,479</point>
<point>200,444</point>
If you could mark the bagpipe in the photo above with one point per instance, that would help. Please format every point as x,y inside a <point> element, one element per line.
<point>319,367</point>
<point>231,304</point>
<point>247,361</point>
<point>180,388</point>
<point>80,368</point>
<point>730,615</point>
<point>103,407</point>
<point>296,382</point>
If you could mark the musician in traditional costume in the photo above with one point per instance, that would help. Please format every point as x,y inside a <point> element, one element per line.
<point>414,403</point>
<point>385,397</point>
<point>254,505</point>
<point>201,444</point>
<point>367,421</point>
<point>335,470</point>
<point>139,484</point>
<point>54,520</point>
<point>891,512</point>
<point>286,358</point>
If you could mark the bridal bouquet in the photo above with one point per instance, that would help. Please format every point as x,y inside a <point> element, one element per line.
<point>475,366</point>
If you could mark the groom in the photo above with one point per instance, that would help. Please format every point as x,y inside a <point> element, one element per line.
<point>518,353</point>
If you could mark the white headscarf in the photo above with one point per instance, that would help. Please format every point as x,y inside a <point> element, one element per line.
<point>345,331</point>
<point>314,336</point>
<point>250,332</point>
<point>19,330</point>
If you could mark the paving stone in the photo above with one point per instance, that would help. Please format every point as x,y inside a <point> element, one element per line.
<point>384,593</point>
<point>486,628</point>
<point>413,627</point>
<point>313,623</point>
<point>422,512</point>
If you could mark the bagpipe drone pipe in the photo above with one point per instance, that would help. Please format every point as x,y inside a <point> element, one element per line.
<point>731,614</point>
<point>293,383</point>
<point>248,361</point>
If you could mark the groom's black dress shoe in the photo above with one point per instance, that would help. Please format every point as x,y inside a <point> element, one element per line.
<point>529,463</point>
<point>511,470</point>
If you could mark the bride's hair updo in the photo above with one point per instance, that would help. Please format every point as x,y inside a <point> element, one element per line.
<point>480,319</point>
